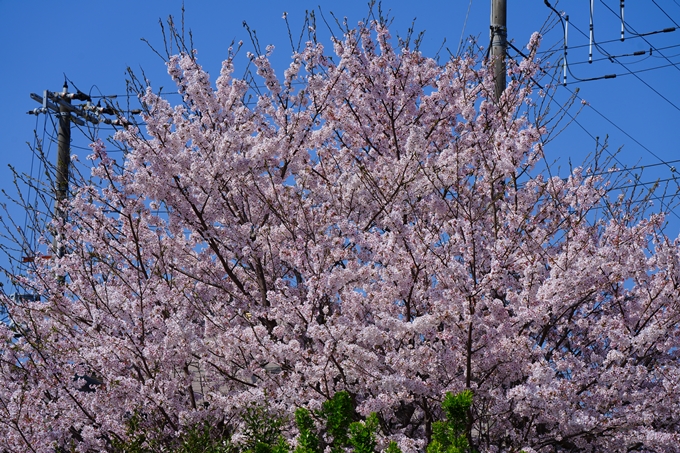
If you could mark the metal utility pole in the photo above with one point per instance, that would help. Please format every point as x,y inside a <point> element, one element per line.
<point>499,43</point>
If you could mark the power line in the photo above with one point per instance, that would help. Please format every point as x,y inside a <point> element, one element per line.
<point>460,43</point>
<point>608,41</point>
<point>604,52</point>
<point>639,53</point>
<point>662,10</point>
<point>623,74</point>
<point>575,94</point>
<point>566,111</point>
<point>648,183</point>
<point>620,129</point>
<point>642,35</point>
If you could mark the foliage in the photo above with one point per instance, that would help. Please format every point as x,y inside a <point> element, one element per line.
<point>392,447</point>
<point>340,432</point>
<point>374,222</point>
<point>308,442</point>
<point>262,433</point>
<point>338,412</point>
<point>450,435</point>
<point>362,434</point>
<point>201,438</point>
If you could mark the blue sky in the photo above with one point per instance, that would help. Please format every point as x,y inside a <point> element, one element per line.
<point>93,42</point>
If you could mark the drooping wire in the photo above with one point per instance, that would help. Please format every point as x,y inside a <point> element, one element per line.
<point>633,73</point>
<point>638,53</point>
<point>634,32</point>
<point>623,74</point>
<point>642,35</point>
<point>620,129</point>
<point>604,52</point>
<point>580,46</point>
<point>595,139</point>
<point>34,149</point>
<point>591,36</point>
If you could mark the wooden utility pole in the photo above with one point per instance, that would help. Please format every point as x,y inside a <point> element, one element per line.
<point>499,44</point>
<point>61,104</point>
<point>63,163</point>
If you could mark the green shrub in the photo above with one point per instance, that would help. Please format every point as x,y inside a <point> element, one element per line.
<point>201,438</point>
<point>362,434</point>
<point>448,436</point>
<point>263,431</point>
<point>308,442</point>
<point>338,412</point>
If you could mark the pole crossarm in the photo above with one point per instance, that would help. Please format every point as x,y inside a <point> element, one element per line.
<point>79,114</point>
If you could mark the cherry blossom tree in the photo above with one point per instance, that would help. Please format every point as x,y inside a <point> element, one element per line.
<point>373,222</point>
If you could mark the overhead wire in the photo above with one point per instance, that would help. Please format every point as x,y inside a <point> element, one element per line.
<point>36,222</point>
<point>594,138</point>
<point>639,53</point>
<point>623,74</point>
<point>601,50</point>
<point>462,33</point>
<point>648,183</point>
<point>604,52</point>
<point>27,234</point>
<point>666,47</point>
<point>642,35</point>
<point>641,167</point>
<point>667,15</point>
<point>580,46</point>
<point>591,36</point>
<point>620,129</point>
<point>661,162</point>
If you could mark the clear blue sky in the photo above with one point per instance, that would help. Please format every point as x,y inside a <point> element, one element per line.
<point>93,42</point>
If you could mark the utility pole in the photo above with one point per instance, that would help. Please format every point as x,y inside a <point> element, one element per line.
<point>63,163</point>
<point>499,44</point>
<point>61,104</point>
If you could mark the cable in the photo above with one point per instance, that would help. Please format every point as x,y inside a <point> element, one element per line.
<point>642,35</point>
<point>612,76</point>
<point>668,47</point>
<point>662,10</point>
<point>620,129</point>
<point>580,46</point>
<point>460,43</point>
<point>27,237</point>
<point>641,167</point>
<point>596,111</point>
<point>113,96</point>
<point>639,53</point>
<point>672,168</point>
<point>649,183</point>
<point>624,67</point>
<point>604,52</point>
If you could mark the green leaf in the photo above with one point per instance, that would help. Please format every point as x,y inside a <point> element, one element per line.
<point>338,414</point>
<point>308,442</point>
<point>362,434</point>
<point>393,448</point>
